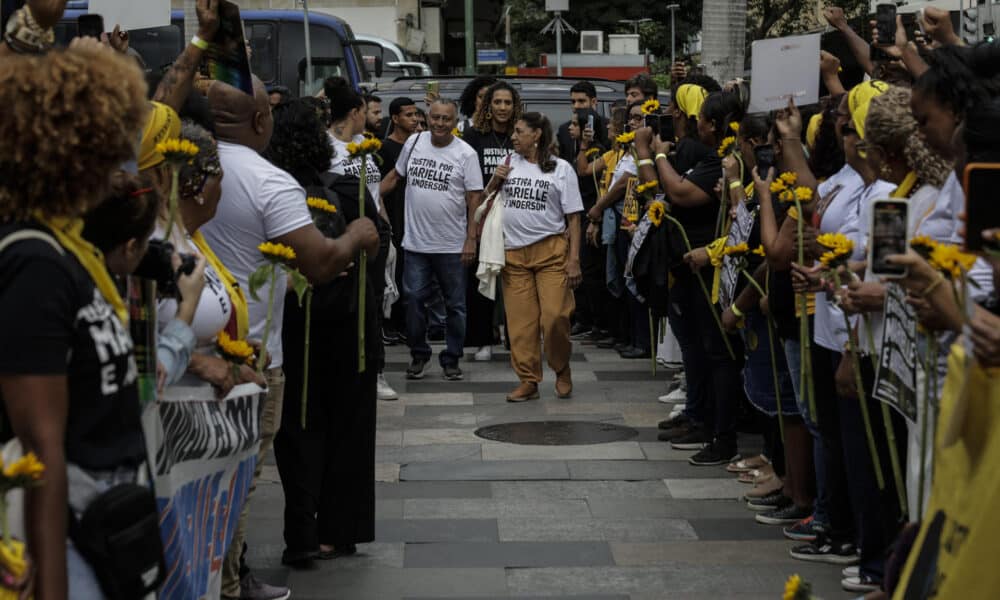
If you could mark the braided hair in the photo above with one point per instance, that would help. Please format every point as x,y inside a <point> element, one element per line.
<point>892,126</point>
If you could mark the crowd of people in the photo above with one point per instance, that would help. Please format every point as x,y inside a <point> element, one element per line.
<point>732,245</point>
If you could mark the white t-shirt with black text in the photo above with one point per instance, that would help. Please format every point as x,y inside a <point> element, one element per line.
<point>437,180</point>
<point>536,203</point>
<point>260,202</point>
<point>343,164</point>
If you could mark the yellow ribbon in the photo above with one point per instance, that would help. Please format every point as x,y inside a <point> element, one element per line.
<point>236,296</point>
<point>716,250</point>
<point>904,189</point>
<point>68,232</point>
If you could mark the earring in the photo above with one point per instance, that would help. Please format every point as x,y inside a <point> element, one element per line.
<point>489,115</point>
<point>884,171</point>
<point>199,200</point>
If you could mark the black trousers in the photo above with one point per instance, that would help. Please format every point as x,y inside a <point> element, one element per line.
<point>479,312</point>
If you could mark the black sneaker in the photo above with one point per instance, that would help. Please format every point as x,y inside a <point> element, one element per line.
<point>389,337</point>
<point>452,373</point>
<point>715,453</point>
<point>698,439</point>
<point>788,515</point>
<point>803,531</point>
<point>772,501</point>
<point>681,419</point>
<point>825,550</point>
<point>579,332</point>
<point>676,433</point>
<point>416,369</point>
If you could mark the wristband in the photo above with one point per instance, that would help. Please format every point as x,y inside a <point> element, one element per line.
<point>644,161</point>
<point>735,184</point>
<point>199,43</point>
<point>736,311</point>
<point>661,155</point>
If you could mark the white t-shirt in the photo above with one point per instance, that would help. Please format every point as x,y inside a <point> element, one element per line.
<point>839,198</point>
<point>625,168</point>
<point>260,202</point>
<point>536,203</point>
<point>343,164</point>
<point>436,182</point>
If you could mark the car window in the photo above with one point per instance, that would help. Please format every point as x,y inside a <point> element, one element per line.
<point>263,50</point>
<point>557,112</point>
<point>158,46</point>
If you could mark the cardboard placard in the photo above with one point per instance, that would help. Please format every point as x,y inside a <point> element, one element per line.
<point>783,68</point>
<point>129,14</point>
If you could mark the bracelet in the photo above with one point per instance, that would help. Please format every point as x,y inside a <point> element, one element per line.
<point>661,155</point>
<point>644,161</point>
<point>736,184</point>
<point>199,43</point>
<point>737,311</point>
<point>930,288</point>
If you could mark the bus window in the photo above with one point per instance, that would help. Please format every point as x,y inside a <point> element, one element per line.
<point>159,47</point>
<point>263,50</point>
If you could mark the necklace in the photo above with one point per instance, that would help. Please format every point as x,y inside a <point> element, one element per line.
<point>501,142</point>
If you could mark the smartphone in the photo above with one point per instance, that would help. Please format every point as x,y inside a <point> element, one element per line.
<point>434,87</point>
<point>653,122</point>
<point>888,235</point>
<point>90,26</point>
<point>763,155</point>
<point>590,122</point>
<point>885,23</point>
<point>666,128</point>
<point>910,25</point>
<point>982,211</point>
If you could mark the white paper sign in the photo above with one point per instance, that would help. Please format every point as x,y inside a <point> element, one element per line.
<point>782,68</point>
<point>130,14</point>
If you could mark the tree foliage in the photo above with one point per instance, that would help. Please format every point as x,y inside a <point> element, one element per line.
<point>777,18</point>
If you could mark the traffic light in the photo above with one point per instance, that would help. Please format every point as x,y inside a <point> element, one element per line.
<point>989,32</point>
<point>970,25</point>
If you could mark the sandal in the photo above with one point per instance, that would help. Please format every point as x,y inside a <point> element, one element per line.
<point>757,476</point>
<point>747,464</point>
<point>768,487</point>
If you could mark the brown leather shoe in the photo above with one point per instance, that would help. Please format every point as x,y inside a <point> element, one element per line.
<point>526,391</point>
<point>564,384</point>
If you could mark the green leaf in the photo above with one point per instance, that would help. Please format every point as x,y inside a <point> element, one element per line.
<point>299,283</point>
<point>259,279</point>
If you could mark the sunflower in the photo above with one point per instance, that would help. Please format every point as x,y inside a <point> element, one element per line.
<point>786,195</point>
<point>277,252</point>
<point>951,261</point>
<point>645,187</point>
<point>27,467</point>
<point>834,257</point>
<point>789,178</point>
<point>726,146</point>
<point>321,205</point>
<point>626,138</point>
<point>792,587</point>
<point>656,211</point>
<point>365,146</point>
<point>835,241</point>
<point>803,194</point>
<point>236,351</point>
<point>923,245</point>
<point>778,186</point>
<point>759,250</point>
<point>737,250</point>
<point>651,106</point>
<point>177,150</point>
<point>734,126</point>
<point>455,132</point>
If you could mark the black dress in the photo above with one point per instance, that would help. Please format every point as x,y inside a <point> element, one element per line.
<point>328,469</point>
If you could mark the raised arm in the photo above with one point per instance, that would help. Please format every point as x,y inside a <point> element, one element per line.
<point>321,258</point>
<point>834,15</point>
<point>178,81</point>
<point>680,191</point>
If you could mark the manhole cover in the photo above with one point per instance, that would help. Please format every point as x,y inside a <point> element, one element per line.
<point>556,433</point>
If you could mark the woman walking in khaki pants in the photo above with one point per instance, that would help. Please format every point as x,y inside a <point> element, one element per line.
<point>541,204</point>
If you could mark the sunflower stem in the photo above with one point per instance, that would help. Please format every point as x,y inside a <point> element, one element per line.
<point>805,371</point>
<point>172,201</point>
<point>305,352</point>
<point>267,321</point>
<point>362,271</point>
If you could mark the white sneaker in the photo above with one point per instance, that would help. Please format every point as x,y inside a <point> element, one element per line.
<point>678,394</point>
<point>678,409</point>
<point>383,390</point>
<point>854,571</point>
<point>485,353</point>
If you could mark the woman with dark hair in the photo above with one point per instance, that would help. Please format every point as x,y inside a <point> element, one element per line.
<point>826,153</point>
<point>327,468</point>
<point>541,202</point>
<point>472,98</point>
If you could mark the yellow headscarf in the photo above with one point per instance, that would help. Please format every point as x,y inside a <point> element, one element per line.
<point>812,131</point>
<point>163,124</point>
<point>690,97</point>
<point>859,100</point>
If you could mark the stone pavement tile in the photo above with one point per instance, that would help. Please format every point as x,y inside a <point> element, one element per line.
<point>609,451</point>
<point>528,490</point>
<point>419,437</point>
<point>639,508</point>
<point>486,471</point>
<point>386,472</point>
<point>663,451</point>
<point>503,357</point>
<point>585,597</point>
<point>635,470</point>
<point>435,385</point>
<point>374,555</point>
<point>632,554</point>
<point>612,418</point>
<point>429,453</point>
<point>482,412</point>
<point>569,407</point>
<point>583,529</point>
<point>393,584</point>
<point>436,530</point>
<point>629,374</point>
<point>390,408</point>
<point>477,508</point>
<point>743,528</point>
<point>269,474</point>
<point>706,489</point>
<point>391,508</point>
<point>385,437</point>
<point>507,554</point>
<point>449,419</point>
<point>453,398</point>
<point>434,489</point>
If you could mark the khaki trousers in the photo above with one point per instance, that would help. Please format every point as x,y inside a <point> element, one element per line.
<point>270,420</point>
<point>539,304</point>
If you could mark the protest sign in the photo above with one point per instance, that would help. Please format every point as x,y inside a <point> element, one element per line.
<point>896,379</point>
<point>783,68</point>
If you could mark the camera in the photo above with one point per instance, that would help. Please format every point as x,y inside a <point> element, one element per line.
<point>157,264</point>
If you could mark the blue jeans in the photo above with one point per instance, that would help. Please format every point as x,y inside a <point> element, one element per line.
<point>419,273</point>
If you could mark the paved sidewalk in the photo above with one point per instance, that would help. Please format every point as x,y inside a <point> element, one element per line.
<point>464,517</point>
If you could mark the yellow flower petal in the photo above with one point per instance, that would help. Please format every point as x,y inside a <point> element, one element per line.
<point>321,204</point>
<point>651,106</point>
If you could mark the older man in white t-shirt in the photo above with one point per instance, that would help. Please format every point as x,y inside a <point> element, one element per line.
<point>443,188</point>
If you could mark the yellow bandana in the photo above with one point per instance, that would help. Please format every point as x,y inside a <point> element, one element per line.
<point>690,97</point>
<point>235,293</point>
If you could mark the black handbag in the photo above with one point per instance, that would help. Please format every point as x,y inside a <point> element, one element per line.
<point>119,536</point>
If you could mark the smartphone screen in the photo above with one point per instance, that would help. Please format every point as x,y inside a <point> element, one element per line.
<point>910,25</point>
<point>982,211</point>
<point>763,155</point>
<point>667,128</point>
<point>590,122</point>
<point>885,23</point>
<point>653,122</point>
<point>433,87</point>
<point>90,26</point>
<point>888,236</point>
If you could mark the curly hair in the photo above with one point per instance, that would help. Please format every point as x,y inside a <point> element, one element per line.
<point>892,126</point>
<point>954,80</point>
<point>467,101</point>
<point>71,118</point>
<point>203,165</point>
<point>480,121</point>
<point>300,142</point>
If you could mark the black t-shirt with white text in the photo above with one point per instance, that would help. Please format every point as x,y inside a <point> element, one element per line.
<point>393,201</point>
<point>491,147</point>
<point>56,322</point>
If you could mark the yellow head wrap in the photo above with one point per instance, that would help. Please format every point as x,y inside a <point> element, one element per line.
<point>690,97</point>
<point>163,124</point>
<point>860,98</point>
<point>812,130</point>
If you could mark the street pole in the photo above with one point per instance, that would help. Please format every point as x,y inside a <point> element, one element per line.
<point>673,46</point>
<point>190,18</point>
<point>558,44</point>
<point>470,41</point>
<point>310,75</point>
